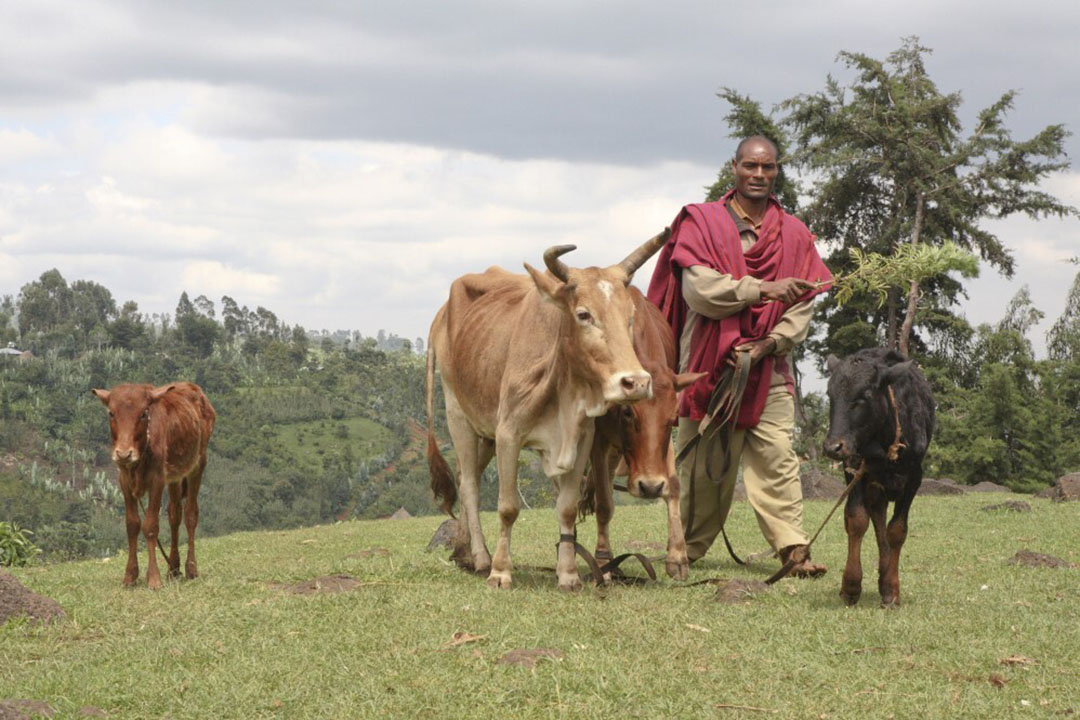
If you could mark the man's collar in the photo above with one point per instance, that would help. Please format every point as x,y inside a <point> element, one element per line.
<point>743,215</point>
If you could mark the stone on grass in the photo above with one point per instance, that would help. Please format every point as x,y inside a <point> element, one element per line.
<point>17,600</point>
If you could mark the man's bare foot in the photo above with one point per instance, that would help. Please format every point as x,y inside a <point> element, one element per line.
<point>804,567</point>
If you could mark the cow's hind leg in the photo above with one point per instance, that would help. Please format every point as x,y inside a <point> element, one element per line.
<point>599,480</point>
<point>856,521</point>
<point>896,534</point>
<point>191,518</point>
<point>175,510</point>
<point>507,447</point>
<point>473,454</point>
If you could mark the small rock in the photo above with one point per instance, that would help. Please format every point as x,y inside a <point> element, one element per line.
<point>930,486</point>
<point>740,591</point>
<point>818,484</point>
<point>24,709</point>
<point>444,536</point>
<point>987,486</point>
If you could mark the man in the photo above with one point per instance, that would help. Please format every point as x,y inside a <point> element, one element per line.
<point>739,275</point>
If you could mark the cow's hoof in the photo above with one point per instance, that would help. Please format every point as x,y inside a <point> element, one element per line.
<point>192,572</point>
<point>677,569</point>
<point>499,580</point>
<point>850,597</point>
<point>174,572</point>
<point>890,603</point>
<point>571,584</point>
<point>153,583</point>
<point>130,580</point>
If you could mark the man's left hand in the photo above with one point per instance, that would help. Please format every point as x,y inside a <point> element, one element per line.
<point>758,349</point>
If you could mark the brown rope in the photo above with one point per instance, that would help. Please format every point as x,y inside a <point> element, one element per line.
<point>894,449</point>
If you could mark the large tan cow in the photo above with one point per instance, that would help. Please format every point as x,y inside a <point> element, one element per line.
<point>159,439</point>
<point>529,361</point>
<point>640,434</point>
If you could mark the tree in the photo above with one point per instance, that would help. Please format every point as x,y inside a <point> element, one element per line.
<point>44,304</point>
<point>1063,340</point>
<point>895,169</point>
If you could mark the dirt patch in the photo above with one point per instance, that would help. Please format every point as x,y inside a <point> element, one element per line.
<point>930,486</point>
<point>370,553</point>
<point>325,584</point>
<point>527,658</point>
<point>820,485</point>
<point>444,536</point>
<point>1028,558</point>
<point>91,711</point>
<point>16,600</point>
<point>735,592</point>
<point>639,545</point>
<point>24,709</point>
<point>1009,505</point>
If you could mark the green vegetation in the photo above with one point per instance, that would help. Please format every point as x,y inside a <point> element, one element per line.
<point>975,637</point>
<point>16,548</point>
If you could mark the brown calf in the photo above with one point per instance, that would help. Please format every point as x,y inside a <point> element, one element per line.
<point>640,434</point>
<point>159,439</point>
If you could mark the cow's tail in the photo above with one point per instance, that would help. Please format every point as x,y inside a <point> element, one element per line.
<point>442,479</point>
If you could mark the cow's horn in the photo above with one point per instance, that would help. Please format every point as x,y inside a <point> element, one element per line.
<point>637,258</point>
<point>554,264</point>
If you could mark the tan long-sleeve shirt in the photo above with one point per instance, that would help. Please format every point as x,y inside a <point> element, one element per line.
<point>716,295</point>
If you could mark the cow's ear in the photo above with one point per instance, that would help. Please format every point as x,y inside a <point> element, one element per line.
<point>831,362</point>
<point>685,380</point>
<point>548,285</point>
<point>102,395</point>
<point>892,373</point>
<point>158,393</point>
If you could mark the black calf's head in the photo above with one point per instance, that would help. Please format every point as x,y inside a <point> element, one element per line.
<point>858,385</point>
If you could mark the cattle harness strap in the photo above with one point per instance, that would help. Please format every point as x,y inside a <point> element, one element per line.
<point>598,571</point>
<point>727,397</point>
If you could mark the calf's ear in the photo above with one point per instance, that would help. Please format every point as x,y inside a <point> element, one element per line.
<point>102,395</point>
<point>685,380</point>
<point>831,362</point>
<point>892,373</point>
<point>158,393</point>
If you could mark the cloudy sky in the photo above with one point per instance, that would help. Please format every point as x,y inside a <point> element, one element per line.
<point>341,163</point>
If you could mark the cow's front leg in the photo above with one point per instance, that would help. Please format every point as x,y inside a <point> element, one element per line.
<point>507,447</point>
<point>878,506</point>
<point>603,501</point>
<point>677,564</point>
<point>856,521</point>
<point>175,510</point>
<point>133,523</point>
<point>150,528</point>
<point>569,486</point>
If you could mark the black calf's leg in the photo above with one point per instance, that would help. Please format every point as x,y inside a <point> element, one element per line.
<point>856,520</point>
<point>897,534</point>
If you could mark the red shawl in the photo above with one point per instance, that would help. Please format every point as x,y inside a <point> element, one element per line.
<point>705,234</point>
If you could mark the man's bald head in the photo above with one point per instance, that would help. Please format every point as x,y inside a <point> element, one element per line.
<point>756,140</point>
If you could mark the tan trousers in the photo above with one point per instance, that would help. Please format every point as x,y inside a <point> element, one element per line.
<point>770,474</point>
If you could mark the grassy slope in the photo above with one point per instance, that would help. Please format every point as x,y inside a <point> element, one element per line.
<point>366,437</point>
<point>229,645</point>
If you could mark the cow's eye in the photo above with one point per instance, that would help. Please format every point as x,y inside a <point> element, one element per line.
<point>111,415</point>
<point>584,315</point>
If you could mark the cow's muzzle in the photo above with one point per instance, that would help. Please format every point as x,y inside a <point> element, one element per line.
<point>837,448</point>
<point>628,387</point>
<point>647,486</point>
<point>125,458</point>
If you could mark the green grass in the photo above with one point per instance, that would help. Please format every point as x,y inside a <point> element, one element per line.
<point>309,441</point>
<point>229,645</point>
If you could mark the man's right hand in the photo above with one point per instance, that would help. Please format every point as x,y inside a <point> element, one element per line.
<point>787,290</point>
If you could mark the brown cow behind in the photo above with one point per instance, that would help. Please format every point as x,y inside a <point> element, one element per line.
<point>159,439</point>
<point>640,434</point>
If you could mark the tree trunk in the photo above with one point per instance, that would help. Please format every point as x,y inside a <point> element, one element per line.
<point>913,291</point>
<point>891,332</point>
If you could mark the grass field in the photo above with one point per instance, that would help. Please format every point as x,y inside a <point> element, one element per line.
<point>975,638</point>
<point>309,441</point>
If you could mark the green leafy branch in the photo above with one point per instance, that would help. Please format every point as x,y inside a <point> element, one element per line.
<point>877,274</point>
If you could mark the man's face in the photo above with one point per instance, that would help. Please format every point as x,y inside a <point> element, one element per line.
<point>755,171</point>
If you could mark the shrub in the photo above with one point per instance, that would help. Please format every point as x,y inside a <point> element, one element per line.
<point>15,547</point>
